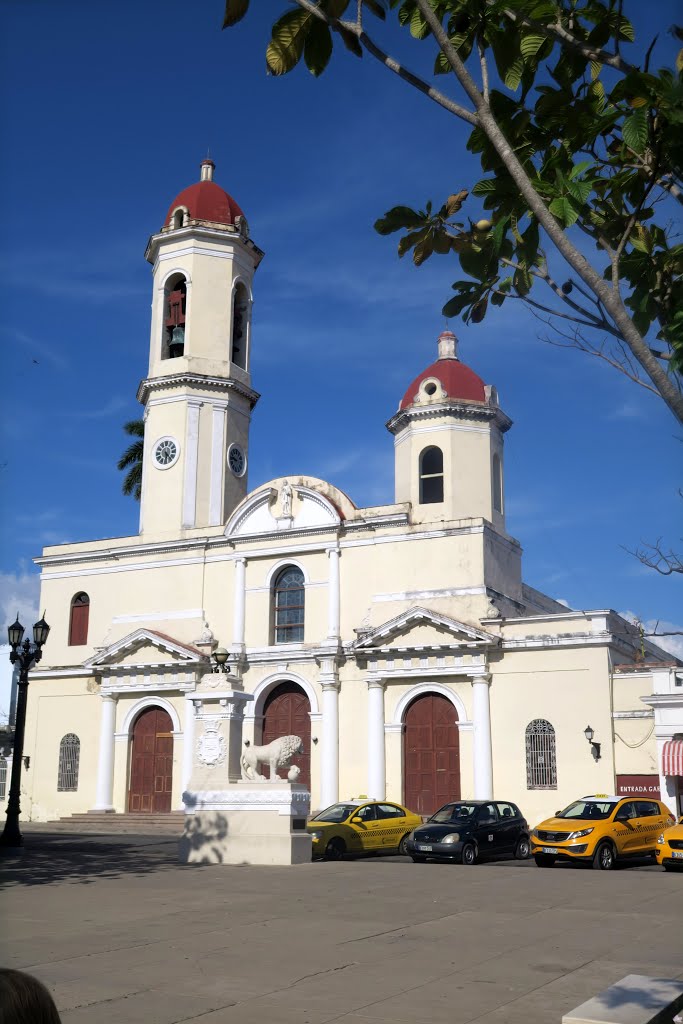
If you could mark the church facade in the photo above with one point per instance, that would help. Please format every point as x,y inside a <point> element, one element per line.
<point>399,641</point>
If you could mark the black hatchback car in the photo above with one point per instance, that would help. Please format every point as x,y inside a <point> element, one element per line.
<point>469,829</point>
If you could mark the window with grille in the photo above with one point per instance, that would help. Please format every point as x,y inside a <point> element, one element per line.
<point>289,606</point>
<point>541,761</point>
<point>69,756</point>
<point>3,777</point>
<point>431,476</point>
<point>78,623</point>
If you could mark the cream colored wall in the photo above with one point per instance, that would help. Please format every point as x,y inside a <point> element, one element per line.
<point>57,707</point>
<point>635,745</point>
<point>569,688</point>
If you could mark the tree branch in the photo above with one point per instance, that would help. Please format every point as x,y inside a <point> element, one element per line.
<point>390,62</point>
<point>611,299</point>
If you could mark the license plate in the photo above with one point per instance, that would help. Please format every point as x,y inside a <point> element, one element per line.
<point>425,849</point>
<point>550,849</point>
<point>678,854</point>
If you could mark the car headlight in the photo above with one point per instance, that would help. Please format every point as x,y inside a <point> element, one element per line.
<point>535,833</point>
<point>579,835</point>
<point>315,835</point>
<point>454,837</point>
<point>660,838</point>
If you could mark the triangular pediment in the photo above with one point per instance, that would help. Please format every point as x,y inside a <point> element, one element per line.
<point>281,507</point>
<point>146,647</point>
<point>421,627</point>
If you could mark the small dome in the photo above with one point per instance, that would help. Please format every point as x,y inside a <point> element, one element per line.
<point>456,379</point>
<point>205,200</point>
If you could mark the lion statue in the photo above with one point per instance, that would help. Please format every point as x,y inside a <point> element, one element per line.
<point>277,754</point>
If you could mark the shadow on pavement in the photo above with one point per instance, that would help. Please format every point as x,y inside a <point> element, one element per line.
<point>48,858</point>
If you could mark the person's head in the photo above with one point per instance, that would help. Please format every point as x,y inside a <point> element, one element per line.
<point>25,1000</point>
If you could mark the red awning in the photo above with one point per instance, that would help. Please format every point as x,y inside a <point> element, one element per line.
<point>672,758</point>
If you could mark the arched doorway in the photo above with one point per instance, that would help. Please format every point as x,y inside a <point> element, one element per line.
<point>431,754</point>
<point>286,712</point>
<point>151,762</point>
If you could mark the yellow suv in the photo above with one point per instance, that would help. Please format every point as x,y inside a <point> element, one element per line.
<point>669,852</point>
<point>600,829</point>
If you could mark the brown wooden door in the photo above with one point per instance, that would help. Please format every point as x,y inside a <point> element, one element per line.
<point>287,713</point>
<point>431,754</point>
<point>151,764</point>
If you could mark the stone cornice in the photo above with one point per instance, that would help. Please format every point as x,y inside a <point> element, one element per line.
<point>197,380</point>
<point>453,409</point>
<point>226,233</point>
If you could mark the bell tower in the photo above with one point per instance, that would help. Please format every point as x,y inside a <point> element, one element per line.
<point>198,395</point>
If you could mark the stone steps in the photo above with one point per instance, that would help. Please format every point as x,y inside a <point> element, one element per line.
<point>113,824</point>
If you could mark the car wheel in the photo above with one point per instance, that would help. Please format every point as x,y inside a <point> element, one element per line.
<point>335,849</point>
<point>469,854</point>
<point>419,860</point>
<point>523,849</point>
<point>543,861</point>
<point>604,859</point>
<point>402,848</point>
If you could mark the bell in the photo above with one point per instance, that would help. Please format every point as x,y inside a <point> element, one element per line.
<point>177,343</point>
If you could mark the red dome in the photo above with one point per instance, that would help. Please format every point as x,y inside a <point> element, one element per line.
<point>205,200</point>
<point>457,380</point>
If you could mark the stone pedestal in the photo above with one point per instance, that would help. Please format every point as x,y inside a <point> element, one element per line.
<point>229,821</point>
<point>248,823</point>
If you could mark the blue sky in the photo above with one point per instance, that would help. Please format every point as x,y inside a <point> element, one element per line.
<point>112,108</point>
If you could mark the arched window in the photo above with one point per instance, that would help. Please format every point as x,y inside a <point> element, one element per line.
<point>240,323</point>
<point>69,756</point>
<point>3,776</point>
<point>78,624</point>
<point>178,219</point>
<point>541,761</point>
<point>288,606</point>
<point>497,484</point>
<point>175,309</point>
<point>431,476</point>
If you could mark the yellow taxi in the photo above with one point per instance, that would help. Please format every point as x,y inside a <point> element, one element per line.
<point>669,852</point>
<point>601,830</point>
<point>361,826</point>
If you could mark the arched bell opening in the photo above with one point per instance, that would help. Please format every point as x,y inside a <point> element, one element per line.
<point>240,326</point>
<point>175,312</point>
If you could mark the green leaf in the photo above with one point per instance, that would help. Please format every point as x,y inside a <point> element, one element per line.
<point>419,29</point>
<point>530,45</point>
<point>350,41</point>
<point>408,241</point>
<point>423,250</point>
<point>234,12</point>
<point>318,48</point>
<point>579,189</point>
<point>478,311</point>
<point>287,43</point>
<point>456,305</point>
<point>634,130</point>
<point>565,210</point>
<point>513,75</point>
<point>485,186</point>
<point>396,218</point>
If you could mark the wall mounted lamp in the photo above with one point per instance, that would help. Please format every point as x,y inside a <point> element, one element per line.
<point>594,745</point>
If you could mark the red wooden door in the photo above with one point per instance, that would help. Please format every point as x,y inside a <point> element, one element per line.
<point>287,713</point>
<point>431,754</point>
<point>151,764</point>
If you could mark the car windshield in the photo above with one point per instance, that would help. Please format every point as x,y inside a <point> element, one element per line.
<point>598,809</point>
<point>337,812</point>
<point>454,812</point>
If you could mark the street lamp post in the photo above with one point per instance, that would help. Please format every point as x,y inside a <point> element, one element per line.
<point>27,654</point>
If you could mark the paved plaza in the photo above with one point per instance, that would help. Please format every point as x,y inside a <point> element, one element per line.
<point>121,933</point>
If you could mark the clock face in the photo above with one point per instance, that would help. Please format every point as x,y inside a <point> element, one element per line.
<point>237,460</point>
<point>165,452</point>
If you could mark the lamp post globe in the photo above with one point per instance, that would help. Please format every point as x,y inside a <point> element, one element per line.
<point>26,654</point>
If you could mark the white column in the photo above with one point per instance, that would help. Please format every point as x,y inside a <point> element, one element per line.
<point>217,465</point>
<point>333,627</point>
<point>188,743</point>
<point>104,796</point>
<point>191,458</point>
<point>329,782</point>
<point>376,751</point>
<point>240,599</point>
<point>483,764</point>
